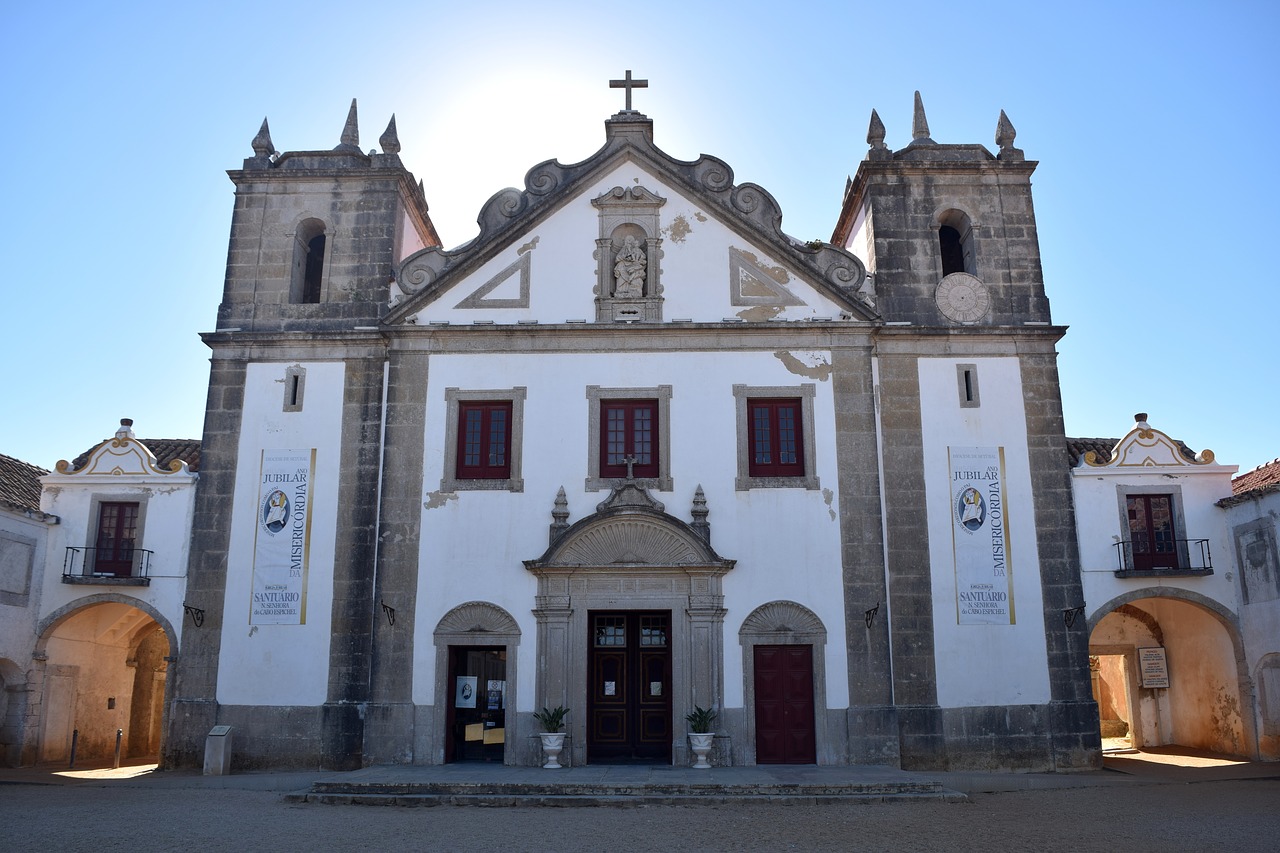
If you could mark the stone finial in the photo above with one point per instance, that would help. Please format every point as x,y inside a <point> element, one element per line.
<point>560,516</point>
<point>1005,134</point>
<point>700,513</point>
<point>389,141</point>
<point>920,124</point>
<point>126,429</point>
<point>875,131</point>
<point>262,146</point>
<point>350,140</point>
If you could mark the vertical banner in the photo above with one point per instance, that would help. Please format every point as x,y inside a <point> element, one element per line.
<point>980,536</point>
<point>282,545</point>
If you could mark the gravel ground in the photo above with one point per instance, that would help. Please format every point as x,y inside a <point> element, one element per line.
<point>94,816</point>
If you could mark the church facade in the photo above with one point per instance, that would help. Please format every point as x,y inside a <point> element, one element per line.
<point>634,451</point>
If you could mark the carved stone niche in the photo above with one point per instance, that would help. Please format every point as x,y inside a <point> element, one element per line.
<point>628,254</point>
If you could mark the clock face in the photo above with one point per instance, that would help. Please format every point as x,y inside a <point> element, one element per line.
<point>963,298</point>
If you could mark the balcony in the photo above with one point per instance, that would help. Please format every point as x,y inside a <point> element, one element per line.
<point>1169,558</point>
<point>116,566</point>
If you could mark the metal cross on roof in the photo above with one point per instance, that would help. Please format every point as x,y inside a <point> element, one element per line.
<point>629,84</point>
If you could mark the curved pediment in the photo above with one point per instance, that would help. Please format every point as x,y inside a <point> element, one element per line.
<point>122,456</point>
<point>1146,447</point>
<point>629,537</point>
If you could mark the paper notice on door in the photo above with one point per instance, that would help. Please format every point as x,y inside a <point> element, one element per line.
<point>475,731</point>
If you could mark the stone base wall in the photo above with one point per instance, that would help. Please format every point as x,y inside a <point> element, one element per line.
<point>1053,737</point>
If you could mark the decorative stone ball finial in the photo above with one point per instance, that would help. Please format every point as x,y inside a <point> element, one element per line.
<point>262,146</point>
<point>389,141</point>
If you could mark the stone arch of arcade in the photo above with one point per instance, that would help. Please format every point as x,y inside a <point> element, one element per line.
<point>101,667</point>
<point>1207,702</point>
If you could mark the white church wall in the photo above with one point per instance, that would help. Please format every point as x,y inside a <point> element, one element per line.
<point>982,664</point>
<point>282,664</point>
<point>464,556</point>
<point>1101,522</point>
<point>695,266</point>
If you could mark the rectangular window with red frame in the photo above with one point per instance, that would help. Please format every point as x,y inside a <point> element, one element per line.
<point>774,438</point>
<point>484,441</point>
<point>628,428</point>
<point>117,538</point>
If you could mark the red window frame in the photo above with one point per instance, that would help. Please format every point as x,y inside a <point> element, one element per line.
<point>117,538</point>
<point>1151,531</point>
<point>775,437</point>
<point>484,440</point>
<point>628,428</point>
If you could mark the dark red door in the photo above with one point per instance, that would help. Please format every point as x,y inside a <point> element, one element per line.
<point>784,705</point>
<point>629,691</point>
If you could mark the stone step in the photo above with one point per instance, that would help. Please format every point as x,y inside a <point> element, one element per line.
<point>497,793</point>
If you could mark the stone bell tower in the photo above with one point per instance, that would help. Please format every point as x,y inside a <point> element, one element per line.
<point>947,232</point>
<point>315,234</point>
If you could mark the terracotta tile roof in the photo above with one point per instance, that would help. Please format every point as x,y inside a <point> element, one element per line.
<point>20,484</point>
<point>165,450</point>
<point>1262,480</point>
<point>1078,447</point>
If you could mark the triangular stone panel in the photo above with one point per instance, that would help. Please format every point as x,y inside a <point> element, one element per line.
<point>750,283</point>
<point>480,298</point>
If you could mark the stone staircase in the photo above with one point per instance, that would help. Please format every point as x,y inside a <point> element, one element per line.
<point>512,786</point>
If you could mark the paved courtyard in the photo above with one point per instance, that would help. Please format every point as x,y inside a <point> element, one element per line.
<point>1109,811</point>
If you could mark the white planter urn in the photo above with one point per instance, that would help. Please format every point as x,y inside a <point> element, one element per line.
<point>700,743</point>
<point>552,744</point>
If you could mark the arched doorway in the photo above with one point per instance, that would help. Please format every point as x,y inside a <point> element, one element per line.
<point>105,670</point>
<point>476,671</point>
<point>1167,669</point>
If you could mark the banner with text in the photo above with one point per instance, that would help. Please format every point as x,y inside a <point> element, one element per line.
<point>980,536</point>
<point>282,547</point>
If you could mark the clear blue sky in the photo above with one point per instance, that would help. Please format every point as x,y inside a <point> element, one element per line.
<point>1154,125</point>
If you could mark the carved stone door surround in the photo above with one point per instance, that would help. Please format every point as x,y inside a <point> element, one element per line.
<point>630,555</point>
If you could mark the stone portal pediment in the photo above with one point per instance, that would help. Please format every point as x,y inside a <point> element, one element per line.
<point>630,529</point>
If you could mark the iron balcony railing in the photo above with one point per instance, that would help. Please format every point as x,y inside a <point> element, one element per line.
<point>85,564</point>
<point>1180,555</point>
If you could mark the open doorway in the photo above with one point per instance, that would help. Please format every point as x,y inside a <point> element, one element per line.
<point>1109,674</point>
<point>104,681</point>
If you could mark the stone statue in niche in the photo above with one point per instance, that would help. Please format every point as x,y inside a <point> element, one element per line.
<point>629,270</point>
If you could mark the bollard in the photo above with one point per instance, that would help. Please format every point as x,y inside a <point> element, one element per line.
<point>75,738</point>
<point>119,735</point>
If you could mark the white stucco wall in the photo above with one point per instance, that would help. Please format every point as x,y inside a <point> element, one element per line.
<point>1101,522</point>
<point>786,541</point>
<point>166,503</point>
<point>983,664</point>
<point>23,554</point>
<point>694,264</point>
<point>282,664</point>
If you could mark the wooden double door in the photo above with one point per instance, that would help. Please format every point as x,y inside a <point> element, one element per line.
<point>784,705</point>
<point>629,686</point>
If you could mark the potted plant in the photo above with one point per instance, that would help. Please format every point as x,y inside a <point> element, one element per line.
<point>700,721</point>
<point>552,721</point>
